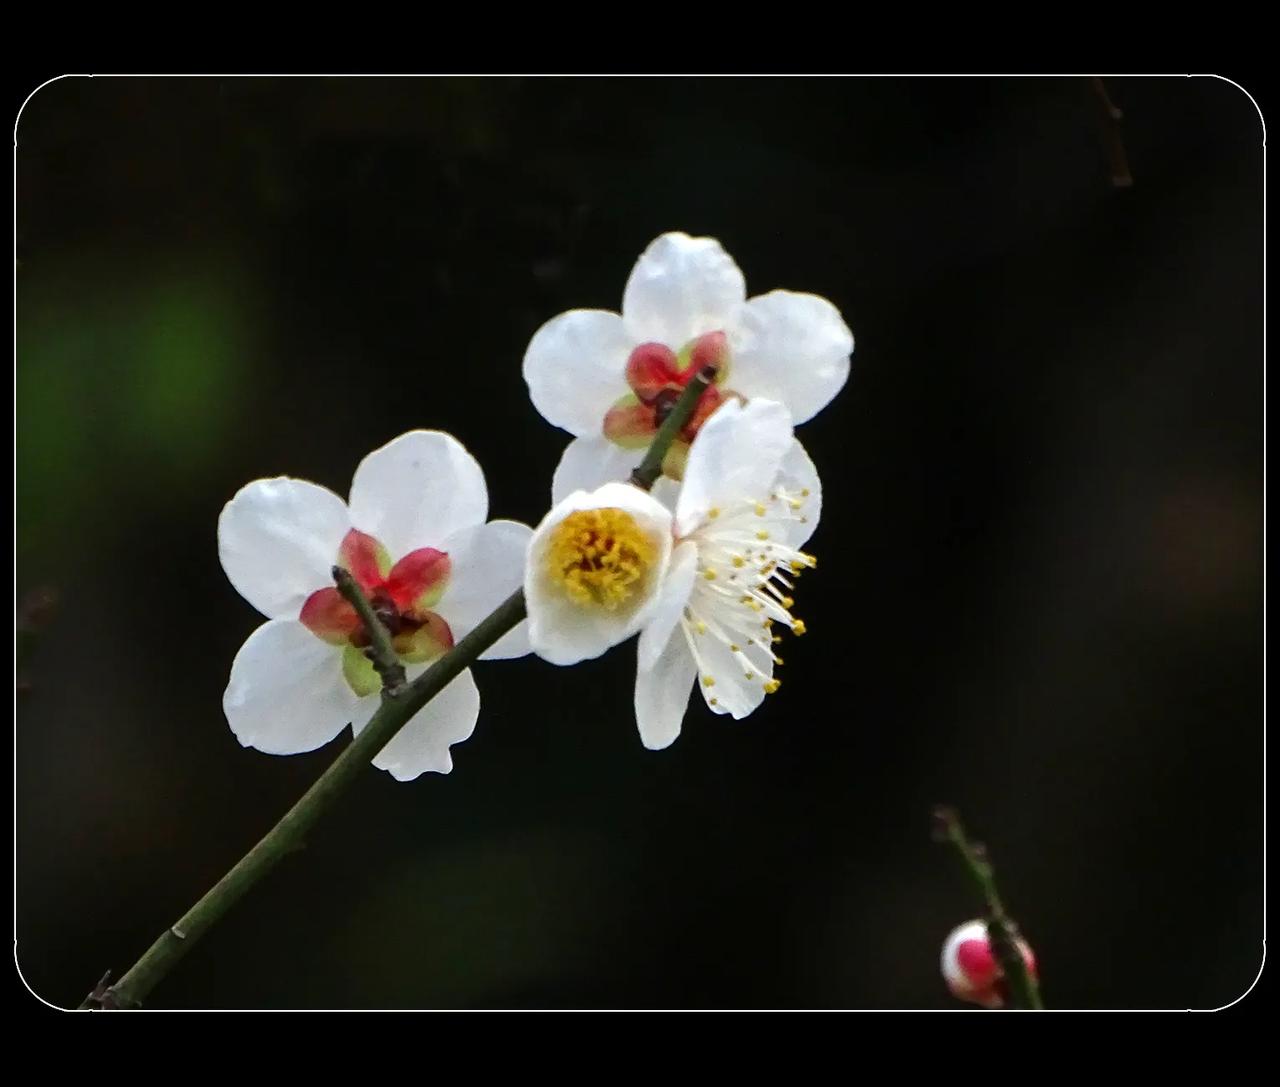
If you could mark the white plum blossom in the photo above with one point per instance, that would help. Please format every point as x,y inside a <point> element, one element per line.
<point>610,379</point>
<point>414,538</point>
<point>706,586</point>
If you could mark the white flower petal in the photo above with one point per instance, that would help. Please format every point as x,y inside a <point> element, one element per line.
<point>286,693</point>
<point>423,744</point>
<point>790,347</point>
<point>798,474</point>
<point>680,288</point>
<point>588,463</point>
<point>486,565</point>
<point>278,540</point>
<point>734,459</point>
<point>576,368</point>
<point>418,490</point>
<point>667,491</point>
<point>735,692</point>
<point>563,631</point>
<point>672,598</point>
<point>662,693</point>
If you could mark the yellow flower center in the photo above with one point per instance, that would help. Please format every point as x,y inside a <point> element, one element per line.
<point>600,556</point>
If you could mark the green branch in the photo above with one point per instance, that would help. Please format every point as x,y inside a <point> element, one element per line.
<point>651,467</point>
<point>399,703</point>
<point>1024,991</point>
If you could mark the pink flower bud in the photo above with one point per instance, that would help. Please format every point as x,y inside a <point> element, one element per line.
<point>970,967</point>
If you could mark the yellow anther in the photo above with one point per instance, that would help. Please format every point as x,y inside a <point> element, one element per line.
<point>795,503</point>
<point>797,566</point>
<point>759,509</point>
<point>804,493</point>
<point>739,561</point>
<point>779,661</point>
<point>700,627</point>
<point>762,535</point>
<point>713,512</point>
<point>772,685</point>
<point>787,602</point>
<point>776,639</point>
<point>734,649</point>
<point>600,556</point>
<point>710,575</point>
<point>708,681</point>
<point>714,702</point>
<point>749,675</point>
<point>798,627</point>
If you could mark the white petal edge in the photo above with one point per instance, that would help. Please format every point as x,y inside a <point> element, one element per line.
<point>417,490</point>
<point>588,463</point>
<point>682,287</point>
<point>576,368</point>
<point>797,474</point>
<point>486,565</point>
<point>278,540</point>
<point>422,746</point>
<point>286,693</point>
<point>790,347</point>
<point>672,598</point>
<point>735,458</point>
<point>662,693</point>
<point>564,632</point>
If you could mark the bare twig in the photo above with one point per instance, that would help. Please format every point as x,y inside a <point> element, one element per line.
<point>1110,117</point>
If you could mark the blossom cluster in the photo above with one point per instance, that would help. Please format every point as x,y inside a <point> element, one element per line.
<point>702,567</point>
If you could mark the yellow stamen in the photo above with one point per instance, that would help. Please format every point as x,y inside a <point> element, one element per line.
<point>798,628</point>
<point>601,557</point>
<point>708,681</point>
<point>772,685</point>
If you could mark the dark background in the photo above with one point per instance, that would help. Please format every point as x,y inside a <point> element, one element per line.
<point>1040,590</point>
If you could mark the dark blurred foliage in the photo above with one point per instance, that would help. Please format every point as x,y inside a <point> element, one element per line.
<point>1040,591</point>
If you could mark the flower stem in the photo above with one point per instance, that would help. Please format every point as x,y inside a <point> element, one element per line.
<point>381,652</point>
<point>1024,991</point>
<point>399,704</point>
<point>651,467</point>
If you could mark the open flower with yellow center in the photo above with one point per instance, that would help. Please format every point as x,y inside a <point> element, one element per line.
<point>611,379</point>
<point>708,587</point>
<point>414,538</point>
<point>595,566</point>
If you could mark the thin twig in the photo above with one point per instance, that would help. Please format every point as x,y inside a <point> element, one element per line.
<point>1110,117</point>
<point>1023,989</point>
<point>649,469</point>
<point>380,651</point>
